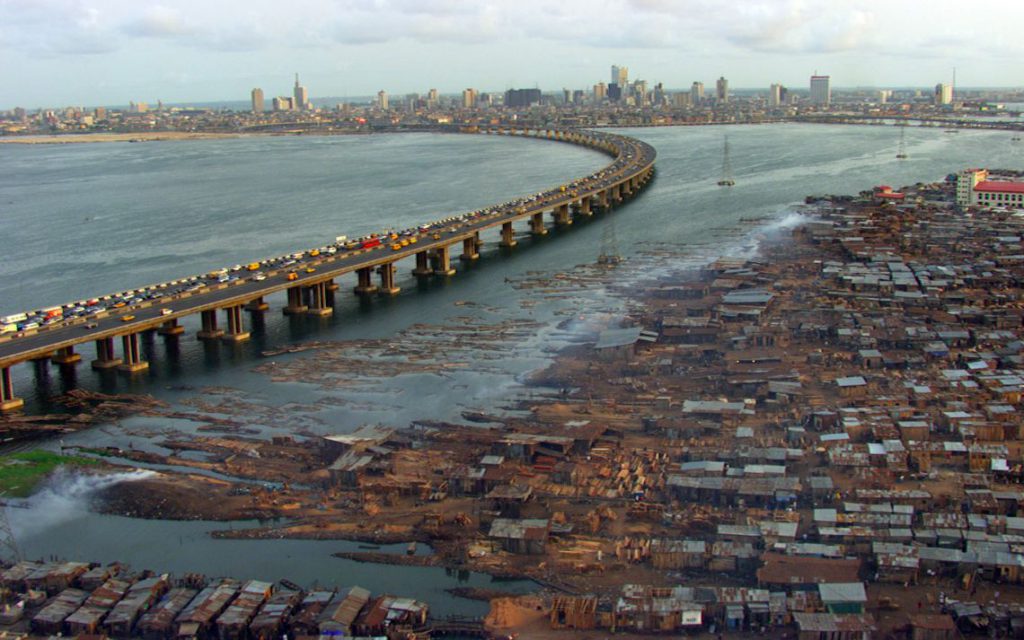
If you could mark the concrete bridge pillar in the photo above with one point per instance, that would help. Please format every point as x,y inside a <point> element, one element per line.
<point>132,361</point>
<point>258,305</point>
<point>8,401</point>
<point>365,285</point>
<point>537,224</point>
<point>561,215</point>
<point>617,193</point>
<point>584,206</point>
<point>295,304</point>
<point>171,329</point>
<point>469,248</point>
<point>105,358</point>
<point>66,357</point>
<point>387,279</point>
<point>236,329</point>
<point>442,262</point>
<point>210,331</point>
<point>330,287</point>
<point>422,265</point>
<point>508,236</point>
<point>627,187</point>
<point>602,199</point>
<point>317,298</point>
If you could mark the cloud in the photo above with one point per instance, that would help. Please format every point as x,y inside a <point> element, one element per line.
<point>49,28</point>
<point>157,21</point>
<point>802,27</point>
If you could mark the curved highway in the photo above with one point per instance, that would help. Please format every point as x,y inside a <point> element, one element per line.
<point>631,169</point>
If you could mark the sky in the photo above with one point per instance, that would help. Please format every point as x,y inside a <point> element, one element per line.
<point>56,53</point>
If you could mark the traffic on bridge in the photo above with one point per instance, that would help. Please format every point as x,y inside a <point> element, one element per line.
<point>308,276</point>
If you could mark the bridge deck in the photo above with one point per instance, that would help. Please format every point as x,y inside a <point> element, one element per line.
<point>634,162</point>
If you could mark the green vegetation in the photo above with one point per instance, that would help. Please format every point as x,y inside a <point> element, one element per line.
<point>20,473</point>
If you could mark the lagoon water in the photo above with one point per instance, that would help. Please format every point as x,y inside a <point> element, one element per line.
<point>87,219</point>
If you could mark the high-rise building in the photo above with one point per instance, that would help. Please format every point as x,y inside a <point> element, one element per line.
<point>257,100</point>
<point>682,99</point>
<point>697,93</point>
<point>722,89</point>
<point>301,95</point>
<point>468,98</point>
<point>100,113</point>
<point>639,91</point>
<point>943,93</point>
<point>821,90</point>
<point>884,95</point>
<point>600,92</point>
<point>775,95</point>
<point>432,98</point>
<point>283,103</point>
<point>382,100</point>
<point>614,92</point>
<point>522,97</point>
<point>620,76</point>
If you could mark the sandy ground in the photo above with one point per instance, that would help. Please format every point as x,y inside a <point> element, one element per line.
<point>150,136</point>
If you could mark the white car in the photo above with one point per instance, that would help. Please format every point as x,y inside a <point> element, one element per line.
<point>166,312</point>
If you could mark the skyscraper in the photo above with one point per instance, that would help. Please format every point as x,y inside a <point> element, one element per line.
<point>382,100</point>
<point>301,95</point>
<point>468,98</point>
<point>697,93</point>
<point>522,97</point>
<point>943,94</point>
<point>620,76</point>
<point>821,90</point>
<point>600,92</point>
<point>257,100</point>
<point>432,98</point>
<point>775,95</point>
<point>722,89</point>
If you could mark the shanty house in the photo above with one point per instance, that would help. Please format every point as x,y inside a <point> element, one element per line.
<point>521,536</point>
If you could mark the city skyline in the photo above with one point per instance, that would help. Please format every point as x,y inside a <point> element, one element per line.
<point>104,52</point>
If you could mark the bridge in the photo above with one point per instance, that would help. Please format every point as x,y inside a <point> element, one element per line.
<point>310,282</point>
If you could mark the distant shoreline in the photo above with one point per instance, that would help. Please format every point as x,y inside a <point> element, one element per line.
<point>148,136</point>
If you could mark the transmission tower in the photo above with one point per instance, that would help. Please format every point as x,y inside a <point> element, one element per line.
<point>7,540</point>
<point>609,244</point>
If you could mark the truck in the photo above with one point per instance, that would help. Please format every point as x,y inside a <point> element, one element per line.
<point>254,266</point>
<point>13,318</point>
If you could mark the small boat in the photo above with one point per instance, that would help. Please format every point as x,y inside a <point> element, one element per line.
<point>411,549</point>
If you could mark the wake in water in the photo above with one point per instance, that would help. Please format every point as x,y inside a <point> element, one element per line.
<point>64,499</point>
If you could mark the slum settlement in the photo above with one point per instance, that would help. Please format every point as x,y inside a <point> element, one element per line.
<point>823,441</point>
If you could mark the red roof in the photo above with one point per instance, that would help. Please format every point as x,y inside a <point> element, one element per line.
<point>889,196</point>
<point>998,186</point>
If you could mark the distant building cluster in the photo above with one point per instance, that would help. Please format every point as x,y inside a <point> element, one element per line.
<point>298,101</point>
<point>620,100</point>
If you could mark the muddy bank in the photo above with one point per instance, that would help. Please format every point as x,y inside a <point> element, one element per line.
<point>181,498</point>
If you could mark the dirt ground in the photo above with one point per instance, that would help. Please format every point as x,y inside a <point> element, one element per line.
<point>176,497</point>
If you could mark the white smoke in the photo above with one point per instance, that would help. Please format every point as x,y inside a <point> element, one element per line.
<point>64,498</point>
